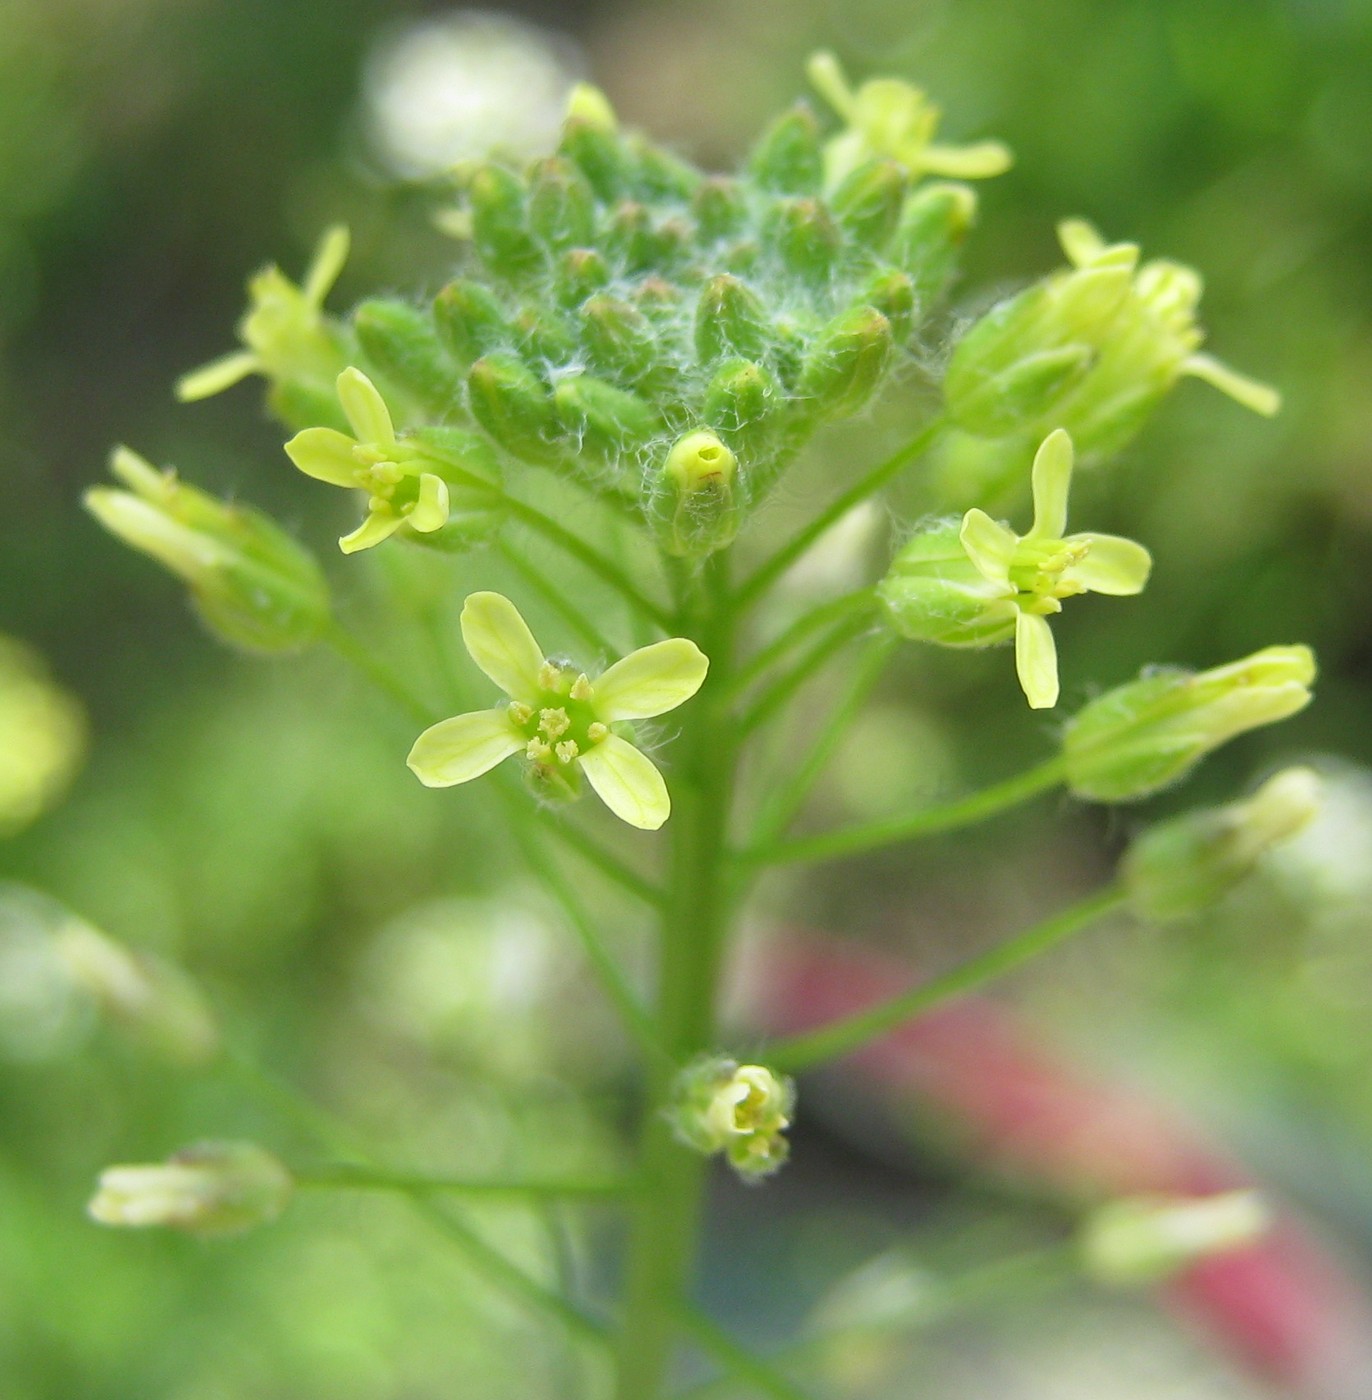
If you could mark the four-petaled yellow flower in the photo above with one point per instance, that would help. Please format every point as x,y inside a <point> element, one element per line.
<point>557,717</point>
<point>401,480</point>
<point>888,117</point>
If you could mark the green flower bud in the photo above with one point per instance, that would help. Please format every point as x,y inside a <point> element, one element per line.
<point>847,362</point>
<point>893,294</point>
<point>741,1111</point>
<point>696,501</point>
<point>500,220</point>
<point>213,1188</point>
<point>618,338</point>
<point>746,405</point>
<point>732,321</point>
<point>470,321</point>
<point>514,405</point>
<point>254,586</point>
<point>933,227</point>
<point>403,344</point>
<point>868,202</point>
<point>1142,736</point>
<point>561,204</point>
<point>1146,1240</point>
<point>597,151</point>
<point>933,592</point>
<point>720,209</point>
<point>152,1000</point>
<point>580,273</point>
<point>1182,866</point>
<point>609,423</point>
<point>806,239</point>
<point>544,337</point>
<point>629,237</point>
<point>658,175</point>
<point>789,156</point>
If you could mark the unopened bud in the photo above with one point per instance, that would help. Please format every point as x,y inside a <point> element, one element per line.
<point>609,423</point>
<point>254,586</point>
<point>789,156</point>
<point>658,174</point>
<point>212,1188</point>
<point>695,500</point>
<point>1182,866</point>
<point>580,273</point>
<point>1146,1240</point>
<point>500,223</point>
<point>731,320</point>
<point>933,227</point>
<point>847,362</point>
<point>806,238</point>
<point>746,406</point>
<point>720,208</point>
<point>868,202</point>
<point>594,146</point>
<point>933,592</point>
<point>893,294</point>
<point>515,406</point>
<point>617,336</point>
<point>404,345</point>
<point>470,321</point>
<point>561,204</point>
<point>741,1111</point>
<point>1142,736</point>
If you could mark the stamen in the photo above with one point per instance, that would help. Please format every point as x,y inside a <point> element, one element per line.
<point>554,723</point>
<point>581,688</point>
<point>566,751</point>
<point>536,751</point>
<point>596,731</point>
<point>520,713</point>
<point>549,676</point>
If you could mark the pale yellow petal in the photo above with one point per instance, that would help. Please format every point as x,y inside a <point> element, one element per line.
<point>989,545</point>
<point>325,454</point>
<point>1036,661</point>
<point>1251,393</point>
<point>430,511</point>
<point>1080,241</point>
<point>1052,480</point>
<point>462,748</point>
<point>1112,565</point>
<point>328,262</point>
<point>980,161</point>
<point>379,525</point>
<point>501,644</point>
<point>217,376</point>
<point>651,681</point>
<point>365,409</point>
<point>627,782</point>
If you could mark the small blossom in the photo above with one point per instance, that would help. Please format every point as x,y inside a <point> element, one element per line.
<point>213,1188</point>
<point>284,329</point>
<point>888,117</point>
<point>558,718</point>
<point>742,1111</point>
<point>976,583</point>
<point>401,480</point>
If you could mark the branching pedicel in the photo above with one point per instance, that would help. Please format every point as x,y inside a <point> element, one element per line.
<point>664,343</point>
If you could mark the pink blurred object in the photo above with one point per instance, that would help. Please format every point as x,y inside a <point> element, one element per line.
<point>1286,1309</point>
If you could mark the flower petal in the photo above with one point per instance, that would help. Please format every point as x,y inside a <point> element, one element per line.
<point>980,161</point>
<point>826,76</point>
<point>651,681</point>
<point>326,264</point>
<point>217,376</point>
<point>989,545</point>
<point>365,408</point>
<point>1113,565</point>
<point>1080,241</point>
<point>462,748</point>
<point>379,525</point>
<point>325,454</point>
<point>501,644</point>
<point>430,511</point>
<point>1036,661</point>
<point>1251,393</point>
<point>1052,479</point>
<point>628,782</point>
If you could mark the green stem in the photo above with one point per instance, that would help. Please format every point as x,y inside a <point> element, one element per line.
<point>351,1177</point>
<point>862,602</point>
<point>752,1371</point>
<point>695,922</point>
<point>812,659</point>
<point>880,475</point>
<point>359,655</point>
<point>948,816</point>
<point>850,1033</point>
<point>557,599</point>
<point>790,794</point>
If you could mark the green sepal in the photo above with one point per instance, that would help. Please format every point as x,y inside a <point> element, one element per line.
<point>609,423</point>
<point>789,156</point>
<point>599,154</point>
<point>543,335</point>
<point>746,405</point>
<point>561,204</point>
<point>730,320</point>
<point>933,227</point>
<point>719,208</point>
<point>500,220</point>
<point>617,336</point>
<point>657,174</point>
<point>893,294</point>
<point>694,500</point>
<point>996,404</point>
<point>403,343</point>
<point>470,321</point>
<point>868,202</point>
<point>514,405</point>
<point>806,239</point>
<point>847,362</point>
<point>579,273</point>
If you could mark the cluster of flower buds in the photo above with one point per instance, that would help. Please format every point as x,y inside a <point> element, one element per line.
<point>741,1111</point>
<point>212,1188</point>
<point>254,586</point>
<point>1142,736</point>
<point>1094,348</point>
<point>1181,867</point>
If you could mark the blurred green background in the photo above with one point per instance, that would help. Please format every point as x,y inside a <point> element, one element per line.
<point>253,820</point>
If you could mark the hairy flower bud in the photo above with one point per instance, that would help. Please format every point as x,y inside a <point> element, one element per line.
<point>212,1188</point>
<point>255,587</point>
<point>788,158</point>
<point>868,202</point>
<point>933,227</point>
<point>515,406</point>
<point>1144,735</point>
<point>1145,1240</point>
<point>741,1111</point>
<point>846,363</point>
<point>561,204</point>
<point>731,320</point>
<point>469,321</point>
<point>500,219</point>
<point>608,423</point>
<point>404,346</point>
<point>696,497</point>
<point>1181,867</point>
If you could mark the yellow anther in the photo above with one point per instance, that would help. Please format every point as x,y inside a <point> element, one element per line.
<point>549,676</point>
<point>581,688</point>
<point>520,713</point>
<point>536,751</point>
<point>596,731</point>
<point>566,751</point>
<point>554,723</point>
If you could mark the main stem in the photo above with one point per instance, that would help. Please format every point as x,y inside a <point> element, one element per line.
<point>695,923</point>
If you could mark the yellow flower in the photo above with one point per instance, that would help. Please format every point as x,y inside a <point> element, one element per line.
<point>557,717</point>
